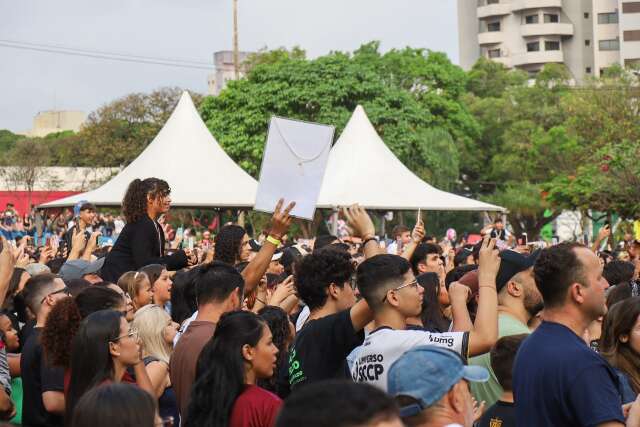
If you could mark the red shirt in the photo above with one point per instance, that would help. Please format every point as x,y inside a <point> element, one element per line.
<point>255,407</point>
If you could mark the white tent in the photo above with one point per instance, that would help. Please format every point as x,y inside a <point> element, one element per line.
<point>362,169</point>
<point>186,155</point>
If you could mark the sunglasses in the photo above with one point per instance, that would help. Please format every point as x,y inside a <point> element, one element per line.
<point>64,290</point>
<point>413,284</point>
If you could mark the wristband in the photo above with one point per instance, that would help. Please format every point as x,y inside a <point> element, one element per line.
<point>273,241</point>
<point>367,240</point>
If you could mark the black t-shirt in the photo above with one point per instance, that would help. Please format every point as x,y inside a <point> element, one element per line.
<point>501,414</point>
<point>320,349</point>
<point>37,378</point>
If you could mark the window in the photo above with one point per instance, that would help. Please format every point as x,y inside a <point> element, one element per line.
<point>493,53</point>
<point>588,70</point>
<point>531,19</point>
<point>533,47</point>
<point>551,45</point>
<point>493,26</point>
<point>631,7</point>
<point>587,42</point>
<point>631,36</point>
<point>608,18</point>
<point>493,1</point>
<point>586,15</point>
<point>551,18</point>
<point>613,44</point>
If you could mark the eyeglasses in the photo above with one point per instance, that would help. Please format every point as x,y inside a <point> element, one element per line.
<point>413,284</point>
<point>64,290</point>
<point>133,333</point>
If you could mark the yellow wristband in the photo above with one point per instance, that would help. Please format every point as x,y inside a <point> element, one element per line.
<point>273,241</point>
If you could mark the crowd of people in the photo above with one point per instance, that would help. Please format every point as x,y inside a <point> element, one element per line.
<point>339,331</point>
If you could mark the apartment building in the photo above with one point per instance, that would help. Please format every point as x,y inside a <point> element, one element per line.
<point>586,35</point>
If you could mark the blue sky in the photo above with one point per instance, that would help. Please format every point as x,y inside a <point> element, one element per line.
<point>191,29</point>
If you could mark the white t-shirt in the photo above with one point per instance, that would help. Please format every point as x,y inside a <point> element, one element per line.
<point>385,345</point>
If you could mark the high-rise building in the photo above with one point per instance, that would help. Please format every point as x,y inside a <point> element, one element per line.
<point>586,35</point>
<point>225,70</point>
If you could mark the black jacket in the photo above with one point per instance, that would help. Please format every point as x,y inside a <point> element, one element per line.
<point>138,245</point>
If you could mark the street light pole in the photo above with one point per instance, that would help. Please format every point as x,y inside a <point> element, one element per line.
<point>236,62</point>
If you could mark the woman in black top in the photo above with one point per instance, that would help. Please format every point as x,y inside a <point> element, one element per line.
<point>142,239</point>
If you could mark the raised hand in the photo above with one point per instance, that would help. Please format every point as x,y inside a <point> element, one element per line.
<point>283,291</point>
<point>418,232</point>
<point>281,220</point>
<point>359,221</point>
<point>459,292</point>
<point>7,258</point>
<point>489,262</point>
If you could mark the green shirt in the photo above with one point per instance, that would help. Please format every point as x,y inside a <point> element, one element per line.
<point>491,391</point>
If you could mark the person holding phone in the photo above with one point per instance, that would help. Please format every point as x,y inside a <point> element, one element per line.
<point>83,222</point>
<point>142,240</point>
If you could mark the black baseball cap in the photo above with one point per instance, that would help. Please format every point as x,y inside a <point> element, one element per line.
<point>512,263</point>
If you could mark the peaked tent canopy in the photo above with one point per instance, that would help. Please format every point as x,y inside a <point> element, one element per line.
<point>362,169</point>
<point>187,156</point>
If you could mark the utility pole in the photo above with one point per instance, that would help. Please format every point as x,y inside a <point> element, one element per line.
<point>236,61</point>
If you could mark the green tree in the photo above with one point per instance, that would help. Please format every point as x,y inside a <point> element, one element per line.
<point>118,132</point>
<point>603,117</point>
<point>8,140</point>
<point>412,102</point>
<point>523,142</point>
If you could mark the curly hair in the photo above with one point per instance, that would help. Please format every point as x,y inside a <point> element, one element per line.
<point>315,272</point>
<point>228,243</point>
<point>64,320</point>
<point>134,204</point>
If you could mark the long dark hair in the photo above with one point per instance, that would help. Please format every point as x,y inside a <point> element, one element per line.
<point>220,370</point>
<point>278,321</point>
<point>91,362</point>
<point>183,295</point>
<point>109,405</point>
<point>134,204</point>
<point>433,319</point>
<point>620,321</point>
<point>228,242</point>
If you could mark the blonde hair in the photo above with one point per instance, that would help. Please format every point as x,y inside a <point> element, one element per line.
<point>131,282</point>
<point>150,322</point>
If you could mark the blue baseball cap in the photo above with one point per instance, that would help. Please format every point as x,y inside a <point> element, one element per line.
<point>426,373</point>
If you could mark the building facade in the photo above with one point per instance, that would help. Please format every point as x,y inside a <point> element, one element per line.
<point>224,70</point>
<point>586,35</point>
<point>47,122</point>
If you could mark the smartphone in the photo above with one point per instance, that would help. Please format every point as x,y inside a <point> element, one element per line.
<point>524,239</point>
<point>180,232</point>
<point>190,244</point>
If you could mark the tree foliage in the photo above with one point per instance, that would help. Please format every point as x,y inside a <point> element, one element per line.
<point>412,97</point>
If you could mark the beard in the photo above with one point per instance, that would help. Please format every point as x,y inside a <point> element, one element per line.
<point>533,302</point>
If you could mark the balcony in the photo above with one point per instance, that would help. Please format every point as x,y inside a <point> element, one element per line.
<point>491,37</point>
<point>534,4</point>
<point>542,57</point>
<point>547,29</point>
<point>497,9</point>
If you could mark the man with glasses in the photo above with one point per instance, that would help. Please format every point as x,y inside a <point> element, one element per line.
<point>391,290</point>
<point>43,400</point>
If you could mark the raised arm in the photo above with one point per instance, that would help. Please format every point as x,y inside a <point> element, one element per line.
<point>280,223</point>
<point>7,264</point>
<point>416,237</point>
<point>485,328</point>
<point>360,224</point>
